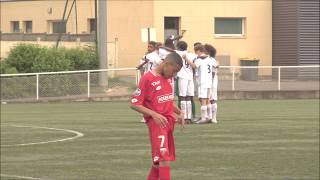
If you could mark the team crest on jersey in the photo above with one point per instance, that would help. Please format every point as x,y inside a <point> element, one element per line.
<point>134,100</point>
<point>165,98</point>
<point>137,92</point>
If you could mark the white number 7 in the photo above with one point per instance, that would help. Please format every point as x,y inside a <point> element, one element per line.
<point>162,140</point>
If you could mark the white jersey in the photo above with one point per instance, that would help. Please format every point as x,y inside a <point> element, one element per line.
<point>204,65</point>
<point>215,65</point>
<point>186,72</point>
<point>163,53</point>
<point>153,61</point>
<point>215,70</point>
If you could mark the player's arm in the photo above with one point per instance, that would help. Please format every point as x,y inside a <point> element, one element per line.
<point>159,119</point>
<point>189,62</point>
<point>142,64</point>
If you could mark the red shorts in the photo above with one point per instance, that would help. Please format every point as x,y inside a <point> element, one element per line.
<point>161,140</point>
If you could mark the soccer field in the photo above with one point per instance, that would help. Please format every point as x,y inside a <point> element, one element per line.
<point>254,139</point>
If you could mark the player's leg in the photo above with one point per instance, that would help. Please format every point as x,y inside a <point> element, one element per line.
<point>214,111</point>
<point>162,148</point>
<point>214,99</point>
<point>209,106</point>
<point>164,165</point>
<point>164,170</point>
<point>182,84</point>
<point>190,94</point>
<point>203,95</point>
<point>153,172</point>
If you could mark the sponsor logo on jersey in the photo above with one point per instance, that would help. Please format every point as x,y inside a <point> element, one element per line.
<point>134,100</point>
<point>137,92</point>
<point>155,83</point>
<point>165,98</point>
<point>158,88</point>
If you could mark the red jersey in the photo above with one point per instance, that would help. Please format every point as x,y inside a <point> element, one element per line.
<point>155,93</point>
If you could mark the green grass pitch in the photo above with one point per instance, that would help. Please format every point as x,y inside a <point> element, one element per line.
<point>254,139</point>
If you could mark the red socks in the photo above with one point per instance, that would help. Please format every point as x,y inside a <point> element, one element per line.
<point>153,173</point>
<point>164,172</point>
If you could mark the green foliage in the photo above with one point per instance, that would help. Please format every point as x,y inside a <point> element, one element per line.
<point>82,58</point>
<point>23,56</point>
<point>52,60</point>
<point>5,68</point>
<point>30,58</point>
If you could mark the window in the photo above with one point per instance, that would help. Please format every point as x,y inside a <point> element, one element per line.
<point>58,27</point>
<point>28,26</point>
<point>171,26</point>
<point>92,25</point>
<point>229,27</point>
<point>15,26</point>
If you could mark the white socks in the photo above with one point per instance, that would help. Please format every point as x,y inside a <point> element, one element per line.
<point>209,108</point>
<point>189,110</point>
<point>204,115</point>
<point>184,108</point>
<point>214,111</point>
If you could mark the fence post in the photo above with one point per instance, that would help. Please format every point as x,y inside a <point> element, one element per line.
<point>88,84</point>
<point>279,77</point>
<point>37,86</point>
<point>233,79</point>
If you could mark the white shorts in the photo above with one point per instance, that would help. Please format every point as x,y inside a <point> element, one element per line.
<point>186,87</point>
<point>204,93</point>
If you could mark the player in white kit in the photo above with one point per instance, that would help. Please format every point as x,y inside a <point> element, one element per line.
<point>204,66</point>
<point>185,81</point>
<point>151,60</point>
<point>164,51</point>
<point>211,51</point>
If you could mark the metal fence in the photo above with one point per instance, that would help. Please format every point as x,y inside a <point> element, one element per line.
<point>122,82</point>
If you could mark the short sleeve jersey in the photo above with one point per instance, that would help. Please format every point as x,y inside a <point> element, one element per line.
<point>154,60</point>
<point>186,72</point>
<point>204,65</point>
<point>155,93</point>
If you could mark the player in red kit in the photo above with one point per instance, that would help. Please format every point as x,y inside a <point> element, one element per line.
<point>154,99</point>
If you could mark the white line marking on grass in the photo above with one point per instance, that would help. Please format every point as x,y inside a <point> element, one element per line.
<point>78,134</point>
<point>19,177</point>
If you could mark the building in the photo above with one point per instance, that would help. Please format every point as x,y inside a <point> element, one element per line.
<point>237,28</point>
<point>296,36</point>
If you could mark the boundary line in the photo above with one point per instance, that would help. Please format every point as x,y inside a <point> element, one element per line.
<point>20,177</point>
<point>78,134</point>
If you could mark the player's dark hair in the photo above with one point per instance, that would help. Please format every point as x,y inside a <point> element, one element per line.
<point>199,48</point>
<point>196,44</point>
<point>153,43</point>
<point>174,58</point>
<point>182,46</point>
<point>211,50</point>
<point>169,43</point>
